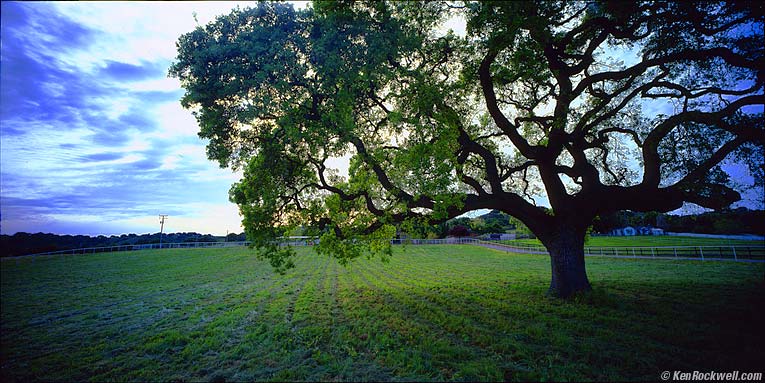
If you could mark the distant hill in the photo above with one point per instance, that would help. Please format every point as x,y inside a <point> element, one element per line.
<point>496,216</point>
<point>25,243</point>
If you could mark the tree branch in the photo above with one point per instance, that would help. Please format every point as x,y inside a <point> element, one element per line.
<point>487,85</point>
<point>726,54</point>
<point>652,160</point>
<point>699,172</point>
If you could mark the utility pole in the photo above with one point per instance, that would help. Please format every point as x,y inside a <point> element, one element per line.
<point>162,218</point>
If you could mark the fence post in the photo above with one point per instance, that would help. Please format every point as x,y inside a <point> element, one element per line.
<point>653,253</point>
<point>734,252</point>
<point>675,248</point>
<point>701,251</point>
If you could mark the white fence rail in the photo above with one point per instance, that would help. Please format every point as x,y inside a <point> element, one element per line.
<point>148,246</point>
<point>723,252</point>
<point>441,241</point>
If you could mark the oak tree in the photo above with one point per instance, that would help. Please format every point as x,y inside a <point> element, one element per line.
<point>590,107</point>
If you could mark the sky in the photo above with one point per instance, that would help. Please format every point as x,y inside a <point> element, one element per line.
<point>93,139</point>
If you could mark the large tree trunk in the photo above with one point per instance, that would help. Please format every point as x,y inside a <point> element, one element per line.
<point>566,247</point>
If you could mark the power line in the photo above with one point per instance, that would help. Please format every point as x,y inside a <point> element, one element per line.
<point>162,218</point>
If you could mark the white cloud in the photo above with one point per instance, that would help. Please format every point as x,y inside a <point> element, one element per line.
<point>174,121</point>
<point>164,84</point>
<point>140,30</point>
<point>206,218</point>
<point>109,165</point>
<point>457,24</point>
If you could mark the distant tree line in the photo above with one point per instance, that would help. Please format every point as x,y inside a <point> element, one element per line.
<point>26,243</point>
<point>728,221</point>
<point>735,221</point>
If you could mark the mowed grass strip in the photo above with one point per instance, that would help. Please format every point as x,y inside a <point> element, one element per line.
<point>653,241</point>
<point>455,312</point>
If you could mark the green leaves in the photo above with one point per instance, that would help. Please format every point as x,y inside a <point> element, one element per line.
<point>243,72</point>
<point>539,98</point>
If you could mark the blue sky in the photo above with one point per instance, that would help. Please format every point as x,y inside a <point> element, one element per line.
<point>93,139</point>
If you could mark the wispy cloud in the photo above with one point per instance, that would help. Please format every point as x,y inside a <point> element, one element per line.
<point>128,72</point>
<point>94,140</point>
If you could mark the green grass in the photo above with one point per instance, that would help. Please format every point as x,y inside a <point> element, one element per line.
<point>432,313</point>
<point>649,241</point>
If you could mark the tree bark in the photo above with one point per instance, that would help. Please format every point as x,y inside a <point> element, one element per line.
<point>566,247</point>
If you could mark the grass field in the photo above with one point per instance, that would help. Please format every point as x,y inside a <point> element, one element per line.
<point>455,312</point>
<point>648,241</point>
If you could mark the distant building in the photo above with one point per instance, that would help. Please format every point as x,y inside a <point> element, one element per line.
<point>629,231</point>
<point>500,236</point>
<point>625,231</point>
<point>650,230</point>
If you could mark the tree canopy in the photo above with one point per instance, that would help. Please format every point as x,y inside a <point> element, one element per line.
<point>593,106</point>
